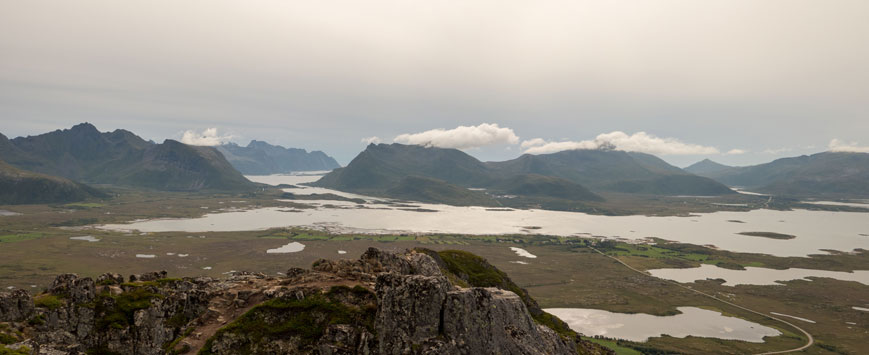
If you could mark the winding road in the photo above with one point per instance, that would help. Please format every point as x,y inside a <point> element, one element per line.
<point>811,340</point>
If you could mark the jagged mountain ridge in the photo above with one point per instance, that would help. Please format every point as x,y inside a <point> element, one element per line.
<point>82,153</point>
<point>416,302</point>
<point>262,158</point>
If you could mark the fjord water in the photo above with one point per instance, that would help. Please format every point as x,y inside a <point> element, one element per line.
<point>815,231</point>
<point>640,327</point>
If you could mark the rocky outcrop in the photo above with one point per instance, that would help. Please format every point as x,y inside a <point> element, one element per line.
<point>381,303</point>
<point>15,305</point>
<point>427,314</point>
<point>480,320</point>
<point>409,310</point>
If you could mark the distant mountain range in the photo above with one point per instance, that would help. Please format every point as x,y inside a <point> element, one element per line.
<point>261,158</point>
<point>84,154</point>
<point>613,171</point>
<point>18,187</point>
<point>570,175</point>
<point>828,174</point>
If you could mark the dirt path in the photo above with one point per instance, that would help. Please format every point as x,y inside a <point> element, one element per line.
<point>226,308</point>
<point>222,310</point>
<point>811,340</point>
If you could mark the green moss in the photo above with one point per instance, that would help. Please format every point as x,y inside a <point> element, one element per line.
<point>477,272</point>
<point>48,301</point>
<point>555,324</point>
<point>36,320</point>
<point>107,282</point>
<point>20,351</point>
<point>170,347</point>
<point>306,319</point>
<point>124,306</point>
<point>7,339</point>
<point>177,321</point>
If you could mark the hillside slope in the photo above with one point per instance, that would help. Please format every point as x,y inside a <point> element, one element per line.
<point>708,167</point>
<point>23,187</point>
<point>382,166</point>
<point>423,189</point>
<point>613,171</point>
<point>84,154</point>
<point>567,176</point>
<point>828,174</point>
<point>261,158</point>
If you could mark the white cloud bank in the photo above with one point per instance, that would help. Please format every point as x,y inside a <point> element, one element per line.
<point>736,152</point>
<point>776,151</point>
<point>462,137</point>
<point>371,140</point>
<point>208,137</point>
<point>637,142</point>
<point>840,146</point>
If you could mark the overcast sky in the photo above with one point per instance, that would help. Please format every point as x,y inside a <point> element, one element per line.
<point>741,82</point>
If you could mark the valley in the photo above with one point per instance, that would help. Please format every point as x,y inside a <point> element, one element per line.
<point>566,271</point>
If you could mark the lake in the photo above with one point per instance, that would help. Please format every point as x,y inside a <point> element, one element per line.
<point>814,230</point>
<point>640,327</point>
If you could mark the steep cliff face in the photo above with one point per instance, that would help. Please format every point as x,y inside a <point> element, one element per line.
<point>382,303</point>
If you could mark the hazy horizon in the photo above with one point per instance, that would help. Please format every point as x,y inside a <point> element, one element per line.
<point>739,82</point>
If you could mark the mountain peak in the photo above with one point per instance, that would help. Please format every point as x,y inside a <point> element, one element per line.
<point>707,166</point>
<point>258,144</point>
<point>263,158</point>
<point>84,127</point>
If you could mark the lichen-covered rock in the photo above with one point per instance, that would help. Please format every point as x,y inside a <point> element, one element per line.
<point>408,310</point>
<point>16,305</point>
<point>110,279</point>
<point>70,286</point>
<point>345,339</point>
<point>149,276</point>
<point>490,320</point>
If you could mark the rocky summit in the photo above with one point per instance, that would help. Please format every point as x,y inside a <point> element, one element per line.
<point>412,302</point>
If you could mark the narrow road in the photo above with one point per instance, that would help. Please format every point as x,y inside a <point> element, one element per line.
<point>811,340</point>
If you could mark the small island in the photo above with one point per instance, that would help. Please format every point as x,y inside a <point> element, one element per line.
<point>770,235</point>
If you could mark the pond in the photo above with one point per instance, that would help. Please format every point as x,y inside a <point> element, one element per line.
<point>755,275</point>
<point>640,327</point>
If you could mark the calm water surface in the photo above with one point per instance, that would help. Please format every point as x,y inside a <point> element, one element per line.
<point>814,230</point>
<point>755,275</point>
<point>640,327</point>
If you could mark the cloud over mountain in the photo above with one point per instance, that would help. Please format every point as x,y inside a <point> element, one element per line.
<point>841,146</point>
<point>462,137</point>
<point>371,140</point>
<point>208,137</point>
<point>637,142</point>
